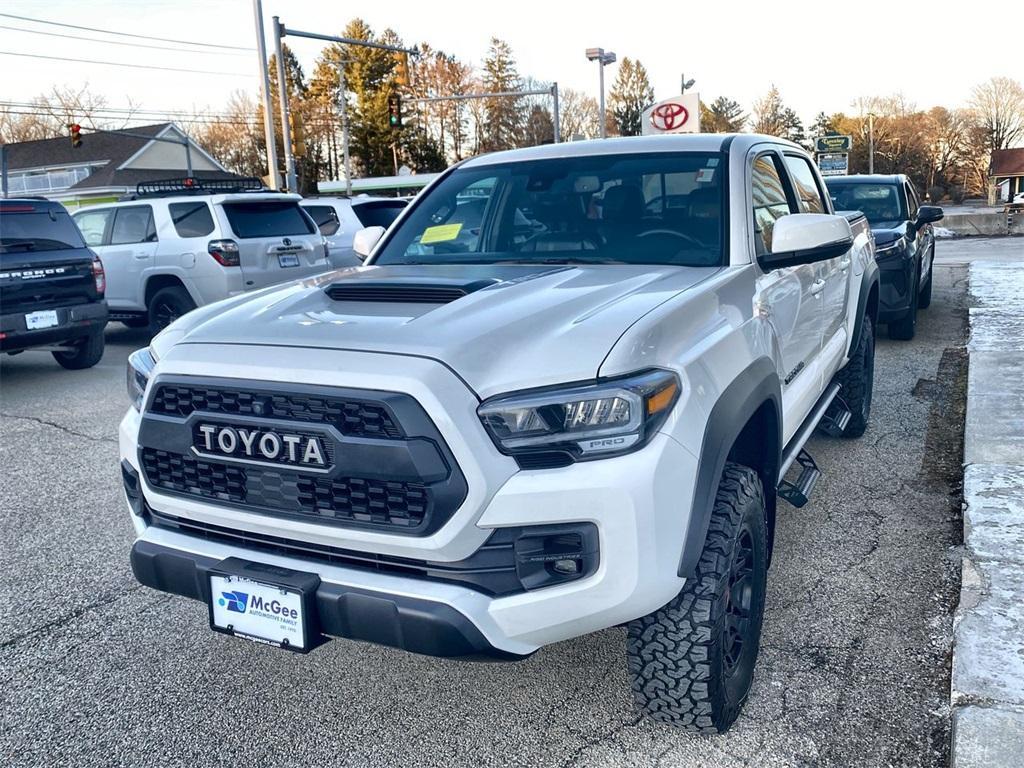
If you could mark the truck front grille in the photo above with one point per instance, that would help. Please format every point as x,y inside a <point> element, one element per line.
<point>348,499</point>
<point>386,465</point>
<point>351,417</point>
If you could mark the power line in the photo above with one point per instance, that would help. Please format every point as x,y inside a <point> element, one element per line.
<point>119,42</point>
<point>126,34</point>
<point>122,64</point>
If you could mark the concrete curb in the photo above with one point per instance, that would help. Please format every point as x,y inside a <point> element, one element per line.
<point>987,691</point>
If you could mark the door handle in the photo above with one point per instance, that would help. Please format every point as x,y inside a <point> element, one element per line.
<point>141,255</point>
<point>817,287</point>
<point>845,264</point>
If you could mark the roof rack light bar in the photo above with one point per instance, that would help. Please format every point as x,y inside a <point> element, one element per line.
<point>192,184</point>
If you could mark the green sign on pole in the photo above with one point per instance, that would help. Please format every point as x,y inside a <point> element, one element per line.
<point>833,143</point>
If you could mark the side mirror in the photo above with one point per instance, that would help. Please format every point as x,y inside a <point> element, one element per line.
<point>804,238</point>
<point>927,214</point>
<point>364,241</point>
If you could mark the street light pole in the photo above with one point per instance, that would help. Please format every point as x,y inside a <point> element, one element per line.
<point>268,107</point>
<point>602,58</point>
<point>871,142</point>
<point>282,92</point>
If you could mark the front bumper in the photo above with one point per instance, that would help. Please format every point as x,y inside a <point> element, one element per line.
<point>74,322</point>
<point>401,621</point>
<point>895,275</point>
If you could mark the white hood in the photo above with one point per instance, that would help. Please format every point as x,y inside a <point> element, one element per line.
<point>532,325</point>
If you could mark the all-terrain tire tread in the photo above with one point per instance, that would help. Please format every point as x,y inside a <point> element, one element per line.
<point>854,384</point>
<point>669,650</point>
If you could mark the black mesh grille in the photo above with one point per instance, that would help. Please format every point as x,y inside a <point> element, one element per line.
<point>351,417</point>
<point>174,472</point>
<point>343,500</point>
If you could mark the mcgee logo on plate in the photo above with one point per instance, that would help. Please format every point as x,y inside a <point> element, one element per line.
<point>235,601</point>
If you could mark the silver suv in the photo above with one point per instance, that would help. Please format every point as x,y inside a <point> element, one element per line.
<point>177,245</point>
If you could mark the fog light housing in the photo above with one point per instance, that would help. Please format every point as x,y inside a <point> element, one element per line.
<point>554,554</point>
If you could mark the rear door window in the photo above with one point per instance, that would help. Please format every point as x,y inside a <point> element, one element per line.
<point>133,224</point>
<point>191,219</point>
<point>325,217</point>
<point>268,218</point>
<point>93,225</point>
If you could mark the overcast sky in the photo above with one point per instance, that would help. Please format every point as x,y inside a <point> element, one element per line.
<point>821,55</point>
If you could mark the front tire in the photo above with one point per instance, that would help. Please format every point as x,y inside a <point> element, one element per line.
<point>692,661</point>
<point>167,305</point>
<point>857,382</point>
<point>85,354</point>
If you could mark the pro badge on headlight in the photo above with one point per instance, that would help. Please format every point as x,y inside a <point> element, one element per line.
<point>259,446</point>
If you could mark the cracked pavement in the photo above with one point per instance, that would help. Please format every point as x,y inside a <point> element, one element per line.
<point>853,670</point>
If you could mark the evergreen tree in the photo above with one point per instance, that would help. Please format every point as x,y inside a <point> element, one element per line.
<point>630,95</point>
<point>723,116</point>
<point>539,128</point>
<point>503,126</point>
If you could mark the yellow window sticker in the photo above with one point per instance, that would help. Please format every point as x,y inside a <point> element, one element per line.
<point>440,233</point>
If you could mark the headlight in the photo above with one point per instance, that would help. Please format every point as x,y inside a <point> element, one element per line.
<point>590,422</point>
<point>140,366</point>
<point>888,249</point>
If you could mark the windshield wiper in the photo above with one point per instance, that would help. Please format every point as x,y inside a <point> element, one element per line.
<point>28,245</point>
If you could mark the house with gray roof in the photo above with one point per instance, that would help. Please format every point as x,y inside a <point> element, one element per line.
<point>105,166</point>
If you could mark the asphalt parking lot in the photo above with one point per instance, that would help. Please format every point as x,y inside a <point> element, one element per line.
<point>97,670</point>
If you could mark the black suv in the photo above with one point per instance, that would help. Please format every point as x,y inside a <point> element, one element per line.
<point>51,284</point>
<point>904,242</point>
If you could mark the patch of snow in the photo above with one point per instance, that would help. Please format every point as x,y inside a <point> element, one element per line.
<point>943,232</point>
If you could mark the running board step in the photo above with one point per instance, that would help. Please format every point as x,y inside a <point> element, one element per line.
<point>836,418</point>
<point>797,493</point>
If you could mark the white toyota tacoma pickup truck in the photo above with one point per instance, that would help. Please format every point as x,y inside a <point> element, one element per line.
<point>564,393</point>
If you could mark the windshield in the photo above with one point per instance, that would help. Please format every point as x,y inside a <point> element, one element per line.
<point>879,202</point>
<point>664,208</point>
<point>267,219</point>
<point>38,231</point>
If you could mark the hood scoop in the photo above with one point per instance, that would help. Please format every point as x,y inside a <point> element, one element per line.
<point>412,290</point>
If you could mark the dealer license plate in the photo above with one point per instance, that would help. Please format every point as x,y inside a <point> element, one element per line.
<point>288,260</point>
<point>263,613</point>
<point>44,319</point>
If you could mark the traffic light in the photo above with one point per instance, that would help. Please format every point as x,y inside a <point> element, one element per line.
<point>75,130</point>
<point>298,134</point>
<point>395,110</point>
<point>402,69</point>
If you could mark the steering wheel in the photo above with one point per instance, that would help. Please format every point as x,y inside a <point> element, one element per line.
<point>673,233</point>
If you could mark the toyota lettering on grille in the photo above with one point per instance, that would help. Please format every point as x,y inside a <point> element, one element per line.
<point>260,446</point>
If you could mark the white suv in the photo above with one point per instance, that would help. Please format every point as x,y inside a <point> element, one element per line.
<point>165,254</point>
<point>339,218</point>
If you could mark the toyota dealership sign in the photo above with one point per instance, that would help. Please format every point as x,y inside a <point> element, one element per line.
<point>680,114</point>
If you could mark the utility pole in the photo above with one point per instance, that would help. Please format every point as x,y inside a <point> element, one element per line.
<point>268,108</point>
<point>282,92</point>
<point>556,123</point>
<point>871,142</point>
<point>344,134</point>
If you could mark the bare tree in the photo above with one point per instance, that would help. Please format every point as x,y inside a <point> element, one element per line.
<point>49,115</point>
<point>578,113</point>
<point>999,106</point>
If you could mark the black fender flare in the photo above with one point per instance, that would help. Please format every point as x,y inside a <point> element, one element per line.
<point>756,384</point>
<point>869,280</point>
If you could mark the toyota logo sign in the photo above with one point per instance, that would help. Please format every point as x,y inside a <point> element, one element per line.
<point>680,114</point>
<point>669,116</point>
